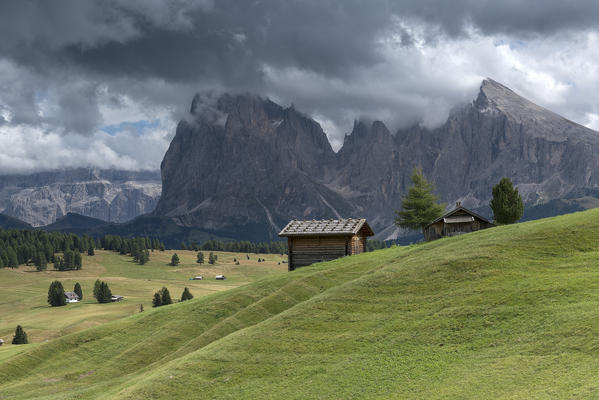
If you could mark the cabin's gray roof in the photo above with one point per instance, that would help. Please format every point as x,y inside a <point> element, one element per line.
<point>326,227</point>
<point>71,295</point>
<point>458,219</point>
<point>463,209</point>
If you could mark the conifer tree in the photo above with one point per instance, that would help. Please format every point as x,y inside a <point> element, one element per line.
<point>68,259</point>
<point>175,260</point>
<point>41,263</point>
<point>77,261</point>
<point>506,203</point>
<point>419,205</point>
<point>78,290</point>
<point>97,285</point>
<point>141,308</point>
<point>20,336</point>
<point>165,296</point>
<point>56,294</point>
<point>186,295</point>
<point>58,264</point>
<point>157,300</point>
<point>90,251</point>
<point>13,261</point>
<point>211,258</point>
<point>104,293</point>
<point>200,258</point>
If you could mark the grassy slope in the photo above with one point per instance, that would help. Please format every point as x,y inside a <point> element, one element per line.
<point>24,291</point>
<point>510,312</point>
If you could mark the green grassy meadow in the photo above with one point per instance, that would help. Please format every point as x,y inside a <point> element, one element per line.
<point>510,312</point>
<point>24,291</point>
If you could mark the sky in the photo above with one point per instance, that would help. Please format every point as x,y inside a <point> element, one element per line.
<point>104,83</point>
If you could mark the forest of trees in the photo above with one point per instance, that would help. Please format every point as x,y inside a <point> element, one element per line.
<point>63,250</point>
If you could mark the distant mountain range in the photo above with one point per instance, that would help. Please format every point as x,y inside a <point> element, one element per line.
<point>110,195</point>
<point>243,166</point>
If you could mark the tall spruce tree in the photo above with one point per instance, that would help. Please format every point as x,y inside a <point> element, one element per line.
<point>211,258</point>
<point>56,294</point>
<point>175,260</point>
<point>186,295</point>
<point>97,285</point>
<point>104,293</point>
<point>20,336</point>
<point>200,258</point>
<point>165,296</point>
<point>419,205</point>
<point>77,261</point>
<point>41,264</point>
<point>157,300</point>
<point>78,290</point>
<point>506,203</point>
<point>90,251</point>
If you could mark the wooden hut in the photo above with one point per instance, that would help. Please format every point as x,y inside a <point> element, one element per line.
<point>456,222</point>
<point>313,241</point>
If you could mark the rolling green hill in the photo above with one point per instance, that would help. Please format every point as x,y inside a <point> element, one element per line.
<point>509,312</point>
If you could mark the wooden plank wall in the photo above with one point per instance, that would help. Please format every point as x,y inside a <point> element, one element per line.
<point>309,250</point>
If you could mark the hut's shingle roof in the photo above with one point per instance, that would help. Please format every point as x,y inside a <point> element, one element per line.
<point>327,227</point>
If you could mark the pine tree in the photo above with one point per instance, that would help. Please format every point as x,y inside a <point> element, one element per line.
<point>200,258</point>
<point>20,336</point>
<point>78,290</point>
<point>104,293</point>
<point>58,263</point>
<point>41,262</point>
<point>157,300</point>
<point>97,285</point>
<point>174,260</point>
<point>211,258</point>
<point>56,294</point>
<point>90,251</point>
<point>77,260</point>
<point>419,205</point>
<point>68,259</point>
<point>143,257</point>
<point>186,295</point>
<point>141,308</point>
<point>165,296</point>
<point>13,261</point>
<point>507,203</point>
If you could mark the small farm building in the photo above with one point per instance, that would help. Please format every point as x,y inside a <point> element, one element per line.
<point>313,241</point>
<point>71,297</point>
<point>456,222</point>
<point>1,342</point>
<point>116,297</point>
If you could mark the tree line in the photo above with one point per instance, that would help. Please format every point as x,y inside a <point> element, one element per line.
<point>278,247</point>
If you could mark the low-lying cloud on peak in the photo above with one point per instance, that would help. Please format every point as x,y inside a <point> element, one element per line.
<point>69,68</point>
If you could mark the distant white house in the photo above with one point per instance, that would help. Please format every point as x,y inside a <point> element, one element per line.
<point>197,278</point>
<point>1,342</point>
<point>71,297</point>
<point>220,277</point>
<point>116,297</point>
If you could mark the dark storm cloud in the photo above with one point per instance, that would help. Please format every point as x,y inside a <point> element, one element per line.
<point>62,62</point>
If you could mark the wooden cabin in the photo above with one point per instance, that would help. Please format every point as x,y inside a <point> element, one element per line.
<point>456,222</point>
<point>313,241</point>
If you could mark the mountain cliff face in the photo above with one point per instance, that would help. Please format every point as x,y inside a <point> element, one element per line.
<point>248,166</point>
<point>110,195</point>
<point>245,176</point>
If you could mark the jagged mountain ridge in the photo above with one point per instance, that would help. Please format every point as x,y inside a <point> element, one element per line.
<point>249,165</point>
<point>110,195</point>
